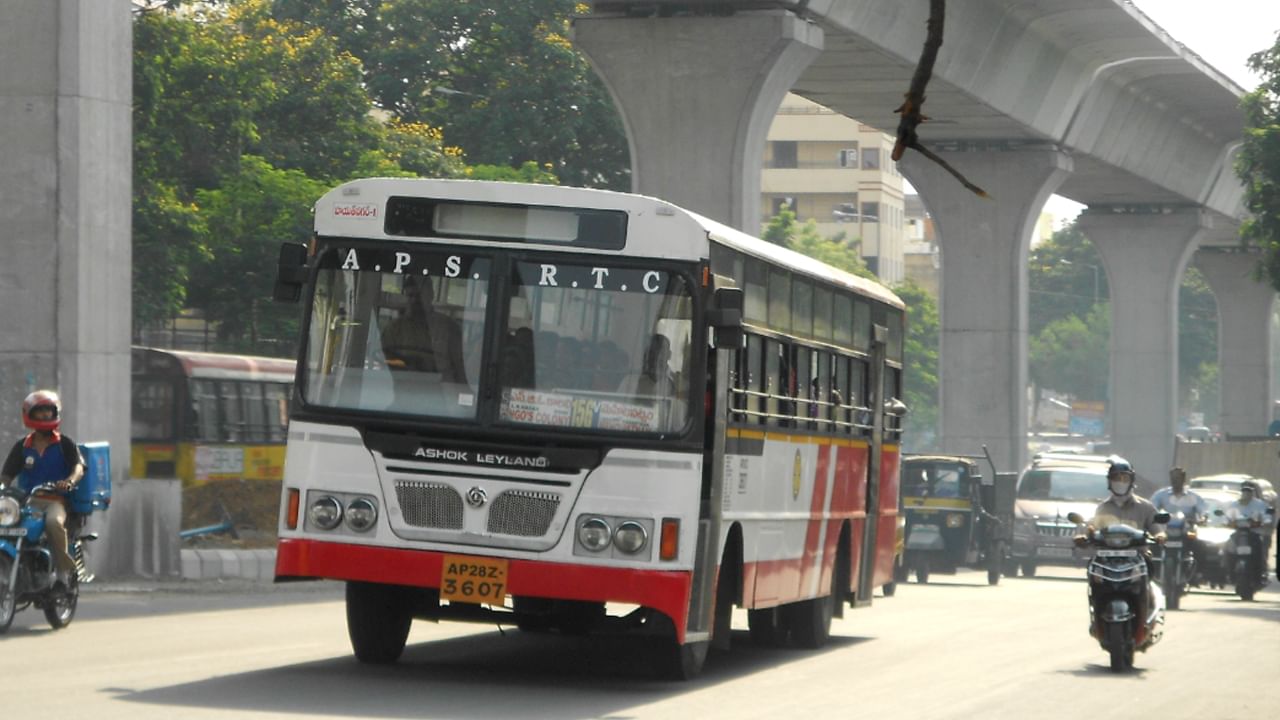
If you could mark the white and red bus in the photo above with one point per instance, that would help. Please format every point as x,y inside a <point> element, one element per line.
<point>575,410</point>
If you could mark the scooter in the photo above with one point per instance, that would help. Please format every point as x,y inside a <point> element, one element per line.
<point>1126,611</point>
<point>27,568</point>
<point>1242,553</point>
<point>1178,564</point>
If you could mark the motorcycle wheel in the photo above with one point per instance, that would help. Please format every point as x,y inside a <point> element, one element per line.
<point>1172,594</point>
<point>1244,588</point>
<point>60,607</point>
<point>1028,568</point>
<point>922,574</point>
<point>8,598</point>
<point>995,563</point>
<point>1120,648</point>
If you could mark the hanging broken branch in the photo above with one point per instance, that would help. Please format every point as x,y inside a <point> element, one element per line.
<point>909,113</point>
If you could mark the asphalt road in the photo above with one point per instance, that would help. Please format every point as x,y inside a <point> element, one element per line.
<point>955,648</point>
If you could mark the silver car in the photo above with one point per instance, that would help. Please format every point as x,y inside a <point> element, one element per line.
<point>1050,488</point>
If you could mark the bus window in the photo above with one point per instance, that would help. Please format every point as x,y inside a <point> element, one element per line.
<point>842,318</point>
<point>276,399</point>
<point>862,325</point>
<point>859,387</point>
<point>387,340</point>
<point>825,396</point>
<point>775,383</point>
<point>756,379</point>
<point>204,402</point>
<point>233,428</point>
<point>805,388</point>
<point>615,356</point>
<point>822,313</point>
<point>780,301</point>
<point>254,412</point>
<point>840,395</point>
<point>801,307</point>
<point>756,302</point>
<point>153,410</point>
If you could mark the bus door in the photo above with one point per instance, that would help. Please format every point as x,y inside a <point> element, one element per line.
<point>875,401</point>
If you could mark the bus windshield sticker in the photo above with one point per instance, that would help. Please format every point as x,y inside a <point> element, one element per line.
<point>559,410</point>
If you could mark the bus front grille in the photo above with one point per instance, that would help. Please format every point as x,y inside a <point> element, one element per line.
<point>526,513</point>
<point>429,505</point>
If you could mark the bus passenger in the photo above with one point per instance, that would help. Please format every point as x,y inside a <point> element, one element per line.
<point>656,378</point>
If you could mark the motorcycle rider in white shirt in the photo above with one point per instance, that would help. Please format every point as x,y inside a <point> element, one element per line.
<point>1249,507</point>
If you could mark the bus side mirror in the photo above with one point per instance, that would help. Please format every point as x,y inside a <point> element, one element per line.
<point>725,319</point>
<point>291,272</point>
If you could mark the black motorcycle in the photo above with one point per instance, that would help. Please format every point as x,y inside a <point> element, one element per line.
<point>1178,563</point>
<point>27,569</point>
<point>1122,615</point>
<point>1241,556</point>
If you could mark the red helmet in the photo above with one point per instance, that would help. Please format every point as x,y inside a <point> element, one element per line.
<point>42,399</point>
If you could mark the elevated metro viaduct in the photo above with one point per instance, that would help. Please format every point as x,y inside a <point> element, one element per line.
<point>1088,99</point>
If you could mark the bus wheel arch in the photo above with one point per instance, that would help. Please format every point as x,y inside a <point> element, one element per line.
<point>842,571</point>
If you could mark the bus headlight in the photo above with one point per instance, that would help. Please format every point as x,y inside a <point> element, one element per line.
<point>361,514</point>
<point>10,511</point>
<point>594,534</point>
<point>326,512</point>
<point>630,537</point>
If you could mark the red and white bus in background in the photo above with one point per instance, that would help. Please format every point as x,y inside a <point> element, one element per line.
<point>578,410</point>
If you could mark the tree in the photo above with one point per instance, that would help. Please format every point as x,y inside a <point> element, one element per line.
<point>231,102</point>
<point>244,221</point>
<point>505,84</point>
<point>1258,162</point>
<point>1072,355</point>
<point>1065,279</point>
<point>920,384</point>
<point>783,229</point>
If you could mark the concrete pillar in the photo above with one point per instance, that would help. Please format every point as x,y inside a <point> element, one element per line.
<point>1244,338</point>
<point>697,95</point>
<point>1144,251</point>
<point>65,185</point>
<point>982,353</point>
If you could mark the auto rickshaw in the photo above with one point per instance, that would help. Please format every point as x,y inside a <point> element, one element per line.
<point>955,515</point>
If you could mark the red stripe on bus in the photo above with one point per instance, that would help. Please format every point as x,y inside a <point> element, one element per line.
<point>817,506</point>
<point>664,590</point>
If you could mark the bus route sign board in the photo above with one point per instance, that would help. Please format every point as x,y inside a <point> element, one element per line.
<point>471,579</point>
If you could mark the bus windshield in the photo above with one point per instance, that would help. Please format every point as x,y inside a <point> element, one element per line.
<point>596,347</point>
<point>588,346</point>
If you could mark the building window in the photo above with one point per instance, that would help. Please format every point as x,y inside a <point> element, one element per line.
<point>848,158</point>
<point>779,203</point>
<point>870,212</point>
<point>846,212</point>
<point>871,159</point>
<point>784,154</point>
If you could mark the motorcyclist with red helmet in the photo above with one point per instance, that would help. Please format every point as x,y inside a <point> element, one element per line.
<point>47,457</point>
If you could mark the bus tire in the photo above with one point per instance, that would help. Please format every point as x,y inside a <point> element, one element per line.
<point>378,619</point>
<point>809,621</point>
<point>684,662</point>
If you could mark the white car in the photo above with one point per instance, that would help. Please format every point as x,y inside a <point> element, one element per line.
<point>1232,482</point>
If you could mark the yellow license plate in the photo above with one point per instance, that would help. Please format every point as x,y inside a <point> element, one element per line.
<point>465,578</point>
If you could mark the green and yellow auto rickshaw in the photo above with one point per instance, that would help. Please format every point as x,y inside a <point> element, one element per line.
<point>955,516</point>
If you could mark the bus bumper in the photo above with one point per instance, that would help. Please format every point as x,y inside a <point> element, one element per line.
<point>666,591</point>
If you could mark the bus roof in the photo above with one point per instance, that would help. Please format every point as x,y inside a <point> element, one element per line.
<point>220,366</point>
<point>357,208</point>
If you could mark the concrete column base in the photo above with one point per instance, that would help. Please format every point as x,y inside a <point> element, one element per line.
<point>139,532</point>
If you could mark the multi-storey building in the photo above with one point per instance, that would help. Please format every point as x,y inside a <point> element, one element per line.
<point>836,171</point>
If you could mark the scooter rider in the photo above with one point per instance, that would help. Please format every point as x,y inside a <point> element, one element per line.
<point>1124,506</point>
<point>46,456</point>
<point>1249,507</point>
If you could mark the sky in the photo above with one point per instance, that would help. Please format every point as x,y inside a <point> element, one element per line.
<point>1224,33</point>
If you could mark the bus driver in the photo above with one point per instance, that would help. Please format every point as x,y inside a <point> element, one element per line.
<point>423,339</point>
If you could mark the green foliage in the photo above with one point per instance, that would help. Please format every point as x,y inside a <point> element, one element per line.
<point>1062,276</point>
<point>240,118</point>
<point>246,218</point>
<point>503,83</point>
<point>1258,162</point>
<point>783,229</point>
<point>921,366</point>
<point>1072,355</point>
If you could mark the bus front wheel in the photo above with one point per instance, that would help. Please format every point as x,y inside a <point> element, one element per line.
<point>378,619</point>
